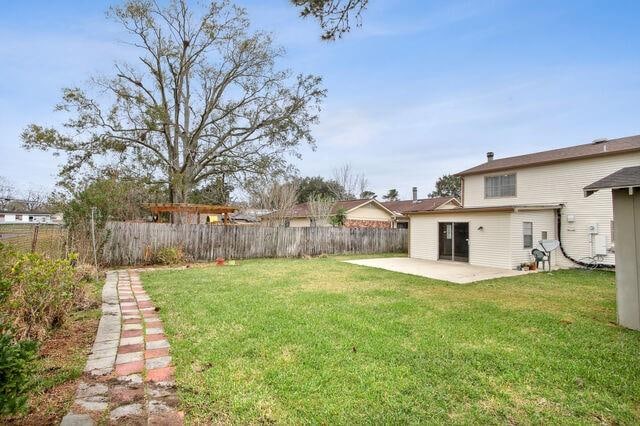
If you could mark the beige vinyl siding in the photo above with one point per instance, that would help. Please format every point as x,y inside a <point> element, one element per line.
<point>542,220</point>
<point>562,183</point>
<point>369,212</point>
<point>487,247</point>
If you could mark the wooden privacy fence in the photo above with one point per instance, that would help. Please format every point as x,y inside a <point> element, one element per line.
<point>134,243</point>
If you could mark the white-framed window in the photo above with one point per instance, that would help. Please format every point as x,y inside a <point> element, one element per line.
<point>545,235</point>
<point>500,186</point>
<point>18,217</point>
<point>527,234</point>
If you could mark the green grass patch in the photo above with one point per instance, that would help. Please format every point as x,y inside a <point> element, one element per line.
<point>322,341</point>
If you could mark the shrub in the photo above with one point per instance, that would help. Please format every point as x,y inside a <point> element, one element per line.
<point>170,255</point>
<point>339,218</point>
<point>85,272</point>
<point>16,368</point>
<point>7,259</point>
<point>40,293</point>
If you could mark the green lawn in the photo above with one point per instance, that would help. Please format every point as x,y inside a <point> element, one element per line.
<point>321,341</point>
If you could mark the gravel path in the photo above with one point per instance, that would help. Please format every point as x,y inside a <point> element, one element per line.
<point>129,377</point>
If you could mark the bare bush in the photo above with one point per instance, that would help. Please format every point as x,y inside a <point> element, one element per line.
<point>320,210</point>
<point>276,196</point>
<point>349,184</point>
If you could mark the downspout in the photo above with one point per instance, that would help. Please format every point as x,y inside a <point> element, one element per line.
<point>564,253</point>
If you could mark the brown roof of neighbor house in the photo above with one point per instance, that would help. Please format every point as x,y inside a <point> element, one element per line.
<point>302,209</point>
<point>189,208</point>
<point>423,204</point>
<point>593,149</point>
<point>628,177</point>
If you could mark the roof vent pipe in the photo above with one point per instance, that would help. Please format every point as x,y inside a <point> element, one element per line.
<point>489,156</point>
<point>415,193</point>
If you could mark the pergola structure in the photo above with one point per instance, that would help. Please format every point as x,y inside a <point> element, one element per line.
<point>192,209</point>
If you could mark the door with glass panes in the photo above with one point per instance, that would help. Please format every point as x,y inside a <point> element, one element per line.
<point>453,241</point>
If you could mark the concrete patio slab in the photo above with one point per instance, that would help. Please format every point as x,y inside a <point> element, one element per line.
<point>455,272</point>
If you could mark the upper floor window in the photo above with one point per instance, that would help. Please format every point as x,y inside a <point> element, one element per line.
<point>500,186</point>
<point>18,217</point>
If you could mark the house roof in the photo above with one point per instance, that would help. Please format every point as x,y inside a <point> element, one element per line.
<point>26,212</point>
<point>424,204</point>
<point>593,149</point>
<point>189,208</point>
<point>303,210</point>
<point>511,208</point>
<point>245,217</point>
<point>629,177</point>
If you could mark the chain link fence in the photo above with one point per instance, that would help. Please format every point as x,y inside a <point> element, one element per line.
<point>47,239</point>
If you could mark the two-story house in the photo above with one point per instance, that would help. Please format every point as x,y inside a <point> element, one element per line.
<point>510,204</point>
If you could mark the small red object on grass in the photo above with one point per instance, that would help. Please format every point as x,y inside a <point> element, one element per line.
<point>220,261</point>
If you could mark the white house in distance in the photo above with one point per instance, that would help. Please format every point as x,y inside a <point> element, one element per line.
<point>28,217</point>
<point>509,204</point>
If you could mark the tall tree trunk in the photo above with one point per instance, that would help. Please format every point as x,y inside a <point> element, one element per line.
<point>180,188</point>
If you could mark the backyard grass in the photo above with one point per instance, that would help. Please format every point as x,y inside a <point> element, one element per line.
<point>322,341</point>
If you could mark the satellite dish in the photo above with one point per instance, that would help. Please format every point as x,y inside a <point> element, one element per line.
<point>549,245</point>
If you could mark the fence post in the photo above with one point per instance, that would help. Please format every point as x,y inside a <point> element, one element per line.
<point>93,239</point>
<point>34,239</point>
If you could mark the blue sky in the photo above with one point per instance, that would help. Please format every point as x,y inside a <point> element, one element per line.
<point>421,89</point>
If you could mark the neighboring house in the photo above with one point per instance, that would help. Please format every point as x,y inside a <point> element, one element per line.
<point>364,213</point>
<point>400,207</point>
<point>509,204</point>
<point>25,217</point>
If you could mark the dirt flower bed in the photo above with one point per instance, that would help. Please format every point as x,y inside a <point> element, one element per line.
<point>61,360</point>
<point>49,310</point>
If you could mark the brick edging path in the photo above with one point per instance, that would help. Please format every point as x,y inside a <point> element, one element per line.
<point>129,377</point>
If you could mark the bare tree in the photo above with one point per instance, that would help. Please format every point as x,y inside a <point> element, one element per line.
<point>12,199</point>
<point>349,184</point>
<point>205,99</point>
<point>7,192</point>
<point>335,16</point>
<point>320,209</point>
<point>277,196</point>
<point>34,199</point>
